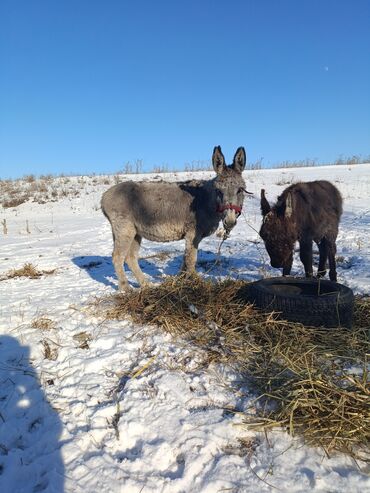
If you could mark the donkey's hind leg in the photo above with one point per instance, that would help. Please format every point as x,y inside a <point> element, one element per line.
<point>132,260</point>
<point>122,240</point>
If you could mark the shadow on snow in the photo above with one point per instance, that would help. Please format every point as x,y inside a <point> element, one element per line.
<point>209,264</point>
<point>30,456</point>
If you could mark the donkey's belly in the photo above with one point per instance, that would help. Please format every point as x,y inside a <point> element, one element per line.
<point>162,232</point>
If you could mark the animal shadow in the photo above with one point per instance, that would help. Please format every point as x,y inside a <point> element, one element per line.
<point>30,456</point>
<point>101,269</point>
<point>213,265</point>
<point>209,264</point>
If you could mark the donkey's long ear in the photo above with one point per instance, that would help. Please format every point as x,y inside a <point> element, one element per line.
<point>218,160</point>
<point>239,160</point>
<point>265,206</point>
<point>289,205</point>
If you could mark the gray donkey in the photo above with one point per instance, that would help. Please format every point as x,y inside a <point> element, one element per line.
<point>163,211</point>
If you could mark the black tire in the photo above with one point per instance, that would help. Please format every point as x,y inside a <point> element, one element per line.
<point>312,302</point>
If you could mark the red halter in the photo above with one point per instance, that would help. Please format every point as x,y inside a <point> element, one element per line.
<point>222,208</point>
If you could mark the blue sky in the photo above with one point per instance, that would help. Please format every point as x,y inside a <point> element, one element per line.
<point>88,85</point>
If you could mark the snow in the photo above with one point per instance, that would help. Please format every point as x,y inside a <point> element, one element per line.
<point>133,412</point>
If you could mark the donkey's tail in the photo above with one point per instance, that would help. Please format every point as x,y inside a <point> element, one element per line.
<point>103,204</point>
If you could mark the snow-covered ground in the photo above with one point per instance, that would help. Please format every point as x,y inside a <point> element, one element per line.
<point>79,423</point>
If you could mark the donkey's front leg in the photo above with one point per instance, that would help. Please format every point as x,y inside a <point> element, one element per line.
<point>288,266</point>
<point>323,250</point>
<point>191,252</point>
<point>287,270</point>
<point>305,254</point>
<point>332,250</point>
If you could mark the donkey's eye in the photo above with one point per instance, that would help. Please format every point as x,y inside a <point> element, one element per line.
<point>241,190</point>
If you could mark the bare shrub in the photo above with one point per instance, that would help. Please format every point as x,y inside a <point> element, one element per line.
<point>161,169</point>
<point>256,164</point>
<point>63,192</point>
<point>303,163</point>
<point>28,270</point>
<point>342,160</point>
<point>29,178</point>
<point>127,168</point>
<point>42,187</point>
<point>138,166</point>
<point>15,202</point>
<point>5,185</point>
<point>355,159</point>
<point>48,178</point>
<point>199,165</point>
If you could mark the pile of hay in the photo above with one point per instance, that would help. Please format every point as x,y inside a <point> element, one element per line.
<point>311,381</point>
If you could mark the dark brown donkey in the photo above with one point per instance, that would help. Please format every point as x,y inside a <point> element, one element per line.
<point>304,212</point>
<point>164,211</point>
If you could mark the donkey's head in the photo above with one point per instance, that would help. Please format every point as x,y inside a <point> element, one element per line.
<point>277,230</point>
<point>229,186</point>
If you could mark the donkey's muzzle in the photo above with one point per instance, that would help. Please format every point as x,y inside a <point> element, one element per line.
<point>229,219</point>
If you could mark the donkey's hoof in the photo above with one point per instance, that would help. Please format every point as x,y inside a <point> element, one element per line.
<point>185,274</point>
<point>124,288</point>
<point>147,284</point>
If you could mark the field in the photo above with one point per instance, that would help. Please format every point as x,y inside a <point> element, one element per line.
<point>89,404</point>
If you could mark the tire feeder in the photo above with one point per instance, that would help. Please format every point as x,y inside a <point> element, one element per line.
<point>312,302</point>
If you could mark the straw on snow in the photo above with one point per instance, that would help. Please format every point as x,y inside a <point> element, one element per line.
<point>304,371</point>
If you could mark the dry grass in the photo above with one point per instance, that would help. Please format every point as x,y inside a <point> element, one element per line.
<point>47,188</point>
<point>302,375</point>
<point>50,350</point>
<point>28,270</point>
<point>341,160</point>
<point>163,255</point>
<point>83,339</point>
<point>43,323</point>
<point>15,202</point>
<point>198,165</point>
